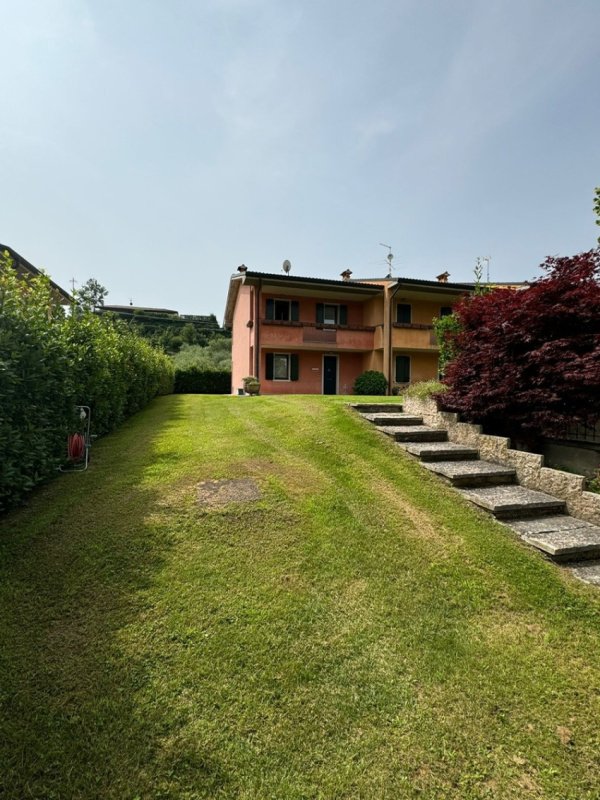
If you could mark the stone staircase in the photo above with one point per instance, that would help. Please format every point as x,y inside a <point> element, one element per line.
<point>539,519</point>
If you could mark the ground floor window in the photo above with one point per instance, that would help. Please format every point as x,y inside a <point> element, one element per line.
<point>282,367</point>
<point>402,369</point>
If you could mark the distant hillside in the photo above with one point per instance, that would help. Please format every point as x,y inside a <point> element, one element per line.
<point>168,329</point>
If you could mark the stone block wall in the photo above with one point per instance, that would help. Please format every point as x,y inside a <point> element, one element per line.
<point>530,468</point>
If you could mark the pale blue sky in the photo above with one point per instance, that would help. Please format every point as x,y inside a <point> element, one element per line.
<point>157,145</point>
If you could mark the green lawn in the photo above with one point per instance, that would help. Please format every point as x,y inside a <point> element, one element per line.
<point>358,632</point>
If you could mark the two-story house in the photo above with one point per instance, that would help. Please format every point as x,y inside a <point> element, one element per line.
<point>301,335</point>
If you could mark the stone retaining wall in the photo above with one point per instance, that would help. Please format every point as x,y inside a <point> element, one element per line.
<point>530,468</point>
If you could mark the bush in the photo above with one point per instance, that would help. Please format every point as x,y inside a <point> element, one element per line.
<point>196,380</point>
<point>528,361</point>
<point>424,389</point>
<point>48,364</point>
<point>370,382</point>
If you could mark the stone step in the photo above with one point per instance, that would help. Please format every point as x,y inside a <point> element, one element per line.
<point>393,419</point>
<point>562,537</point>
<point>375,408</point>
<point>441,451</point>
<point>414,433</point>
<point>512,502</point>
<point>586,571</point>
<point>472,473</point>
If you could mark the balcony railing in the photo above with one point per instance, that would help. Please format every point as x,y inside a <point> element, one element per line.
<point>414,334</point>
<point>276,333</point>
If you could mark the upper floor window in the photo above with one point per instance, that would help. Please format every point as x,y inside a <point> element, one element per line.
<point>332,314</point>
<point>283,310</point>
<point>404,313</point>
<point>445,311</point>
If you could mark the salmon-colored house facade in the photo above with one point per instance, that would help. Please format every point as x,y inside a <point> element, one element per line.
<point>302,335</point>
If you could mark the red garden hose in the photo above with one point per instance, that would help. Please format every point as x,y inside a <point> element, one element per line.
<point>75,447</point>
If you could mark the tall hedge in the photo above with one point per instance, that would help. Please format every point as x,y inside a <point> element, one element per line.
<point>50,362</point>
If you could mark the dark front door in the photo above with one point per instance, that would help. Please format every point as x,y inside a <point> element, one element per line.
<point>329,374</point>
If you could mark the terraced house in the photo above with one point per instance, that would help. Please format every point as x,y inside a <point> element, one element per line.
<point>301,335</point>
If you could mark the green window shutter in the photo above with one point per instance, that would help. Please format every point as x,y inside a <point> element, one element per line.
<point>294,367</point>
<point>270,309</point>
<point>343,320</point>
<point>320,313</point>
<point>295,311</point>
<point>269,367</point>
<point>403,313</point>
<point>402,369</point>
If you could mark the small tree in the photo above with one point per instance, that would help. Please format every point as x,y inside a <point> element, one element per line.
<point>527,361</point>
<point>90,295</point>
<point>597,207</point>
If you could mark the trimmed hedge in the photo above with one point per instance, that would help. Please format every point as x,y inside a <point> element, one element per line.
<point>195,380</point>
<point>370,382</point>
<point>49,363</point>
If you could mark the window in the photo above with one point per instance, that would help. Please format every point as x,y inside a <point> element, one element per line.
<point>282,367</point>
<point>402,369</point>
<point>332,314</point>
<point>404,313</point>
<point>283,310</point>
<point>445,311</point>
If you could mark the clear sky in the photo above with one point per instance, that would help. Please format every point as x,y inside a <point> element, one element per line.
<point>157,144</point>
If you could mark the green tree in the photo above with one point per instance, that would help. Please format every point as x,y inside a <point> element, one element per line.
<point>90,295</point>
<point>597,207</point>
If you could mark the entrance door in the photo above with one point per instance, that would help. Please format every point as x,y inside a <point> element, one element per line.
<point>330,374</point>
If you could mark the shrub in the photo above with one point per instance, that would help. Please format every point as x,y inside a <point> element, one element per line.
<point>196,380</point>
<point>48,364</point>
<point>425,389</point>
<point>370,382</point>
<point>528,361</point>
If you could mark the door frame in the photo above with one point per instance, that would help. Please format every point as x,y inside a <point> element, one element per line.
<point>337,371</point>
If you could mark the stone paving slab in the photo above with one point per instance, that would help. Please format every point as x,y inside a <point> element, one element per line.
<point>472,473</point>
<point>440,451</point>
<point>513,501</point>
<point>414,433</point>
<point>376,408</point>
<point>567,545</point>
<point>393,419</point>
<point>551,524</point>
<point>587,571</point>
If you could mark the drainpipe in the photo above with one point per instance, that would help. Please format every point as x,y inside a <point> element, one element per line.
<point>257,329</point>
<point>390,330</point>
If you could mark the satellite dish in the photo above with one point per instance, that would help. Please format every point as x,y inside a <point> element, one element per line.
<point>287,265</point>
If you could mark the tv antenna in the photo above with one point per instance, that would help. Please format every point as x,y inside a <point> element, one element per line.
<point>389,257</point>
<point>286,266</point>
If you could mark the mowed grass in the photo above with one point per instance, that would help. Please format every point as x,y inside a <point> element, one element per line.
<point>358,632</point>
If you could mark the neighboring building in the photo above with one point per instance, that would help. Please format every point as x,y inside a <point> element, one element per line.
<point>25,270</point>
<point>315,336</point>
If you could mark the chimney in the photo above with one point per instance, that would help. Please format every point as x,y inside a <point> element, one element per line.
<point>346,274</point>
<point>242,268</point>
<point>443,278</point>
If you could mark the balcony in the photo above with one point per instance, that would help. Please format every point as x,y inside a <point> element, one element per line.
<point>413,336</point>
<point>311,336</point>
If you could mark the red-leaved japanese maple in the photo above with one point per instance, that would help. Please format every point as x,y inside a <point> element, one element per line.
<point>528,362</point>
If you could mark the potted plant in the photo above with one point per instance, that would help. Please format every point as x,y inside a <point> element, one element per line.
<point>251,385</point>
